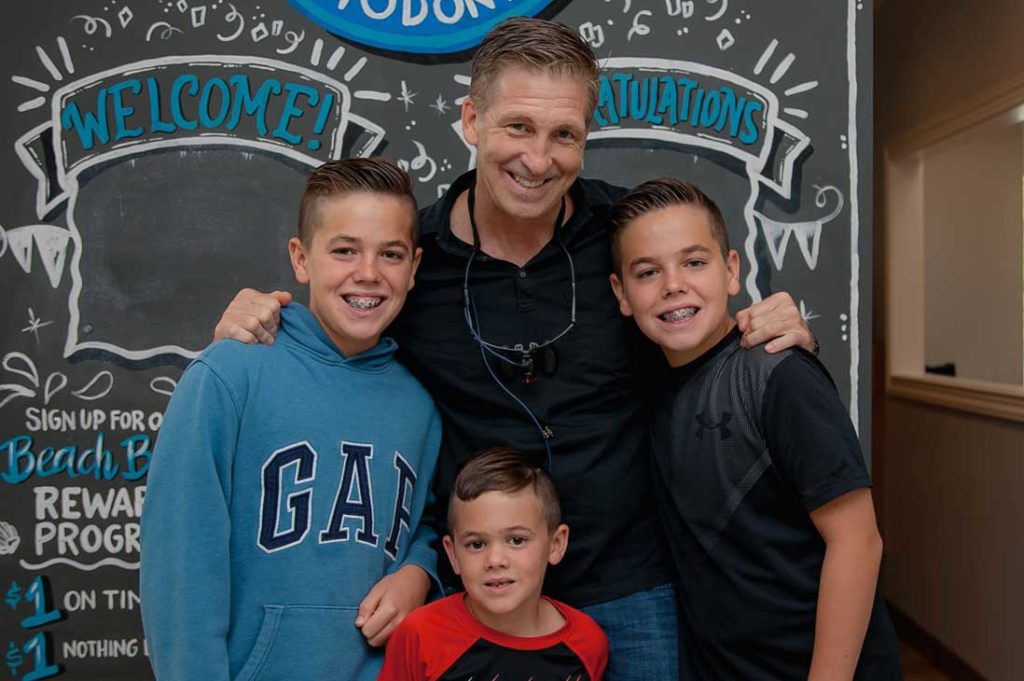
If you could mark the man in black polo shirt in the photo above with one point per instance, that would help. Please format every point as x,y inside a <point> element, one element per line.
<point>513,328</point>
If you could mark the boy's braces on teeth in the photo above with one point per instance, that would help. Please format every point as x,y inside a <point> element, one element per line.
<point>682,313</point>
<point>363,303</point>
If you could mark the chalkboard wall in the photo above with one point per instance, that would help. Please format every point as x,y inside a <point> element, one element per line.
<point>155,150</point>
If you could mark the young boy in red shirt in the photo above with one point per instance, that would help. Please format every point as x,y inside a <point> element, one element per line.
<point>504,529</point>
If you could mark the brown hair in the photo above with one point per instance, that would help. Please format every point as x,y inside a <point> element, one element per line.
<point>663,193</point>
<point>536,45</point>
<point>347,176</point>
<point>502,469</point>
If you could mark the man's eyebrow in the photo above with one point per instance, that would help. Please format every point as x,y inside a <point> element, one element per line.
<point>395,243</point>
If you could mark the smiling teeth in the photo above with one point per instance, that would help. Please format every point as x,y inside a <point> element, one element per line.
<point>363,303</point>
<point>680,314</point>
<point>532,184</point>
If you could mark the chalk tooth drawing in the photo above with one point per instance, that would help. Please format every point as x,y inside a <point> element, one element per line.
<point>807,233</point>
<point>34,324</point>
<point>592,33</point>
<point>9,539</point>
<point>50,241</point>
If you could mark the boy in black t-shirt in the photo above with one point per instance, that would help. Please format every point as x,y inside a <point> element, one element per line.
<point>760,477</point>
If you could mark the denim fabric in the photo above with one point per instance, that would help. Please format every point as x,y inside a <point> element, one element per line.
<point>643,635</point>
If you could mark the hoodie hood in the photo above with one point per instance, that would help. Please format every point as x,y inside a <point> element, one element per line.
<point>301,329</point>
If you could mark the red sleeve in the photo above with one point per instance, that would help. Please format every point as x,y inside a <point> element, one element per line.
<point>402,661</point>
<point>589,643</point>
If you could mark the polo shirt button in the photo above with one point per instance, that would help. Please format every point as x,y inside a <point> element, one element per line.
<point>522,274</point>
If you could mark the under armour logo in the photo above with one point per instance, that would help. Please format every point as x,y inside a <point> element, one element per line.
<point>707,424</point>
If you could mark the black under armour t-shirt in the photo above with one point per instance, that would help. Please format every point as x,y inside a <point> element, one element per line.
<point>747,444</point>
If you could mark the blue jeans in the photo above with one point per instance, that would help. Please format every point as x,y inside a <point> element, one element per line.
<point>643,635</point>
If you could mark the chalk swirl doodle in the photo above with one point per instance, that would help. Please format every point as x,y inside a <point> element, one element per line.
<point>166,31</point>
<point>92,24</point>
<point>233,15</point>
<point>718,15</point>
<point>293,39</point>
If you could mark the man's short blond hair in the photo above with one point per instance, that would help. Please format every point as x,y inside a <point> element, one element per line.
<point>535,45</point>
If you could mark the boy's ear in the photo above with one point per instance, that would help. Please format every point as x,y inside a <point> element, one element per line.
<point>416,256</point>
<point>624,307</point>
<point>449,548</point>
<point>297,254</point>
<point>732,266</point>
<point>559,543</point>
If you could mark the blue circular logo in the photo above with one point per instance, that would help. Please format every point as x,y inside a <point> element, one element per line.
<point>419,26</point>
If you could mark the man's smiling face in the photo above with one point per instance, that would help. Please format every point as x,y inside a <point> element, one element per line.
<point>529,134</point>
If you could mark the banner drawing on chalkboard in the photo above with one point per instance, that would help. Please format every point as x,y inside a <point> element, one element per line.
<point>245,103</point>
<point>417,26</point>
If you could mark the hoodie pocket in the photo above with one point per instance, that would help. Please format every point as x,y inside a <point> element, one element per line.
<point>308,642</point>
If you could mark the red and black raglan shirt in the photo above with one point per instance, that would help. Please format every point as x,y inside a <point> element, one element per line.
<point>442,641</point>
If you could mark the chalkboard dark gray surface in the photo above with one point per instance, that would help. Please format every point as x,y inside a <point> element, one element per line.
<point>154,155</point>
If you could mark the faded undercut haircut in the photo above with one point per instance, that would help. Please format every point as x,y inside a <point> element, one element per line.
<point>663,192</point>
<point>346,176</point>
<point>535,45</point>
<point>502,469</point>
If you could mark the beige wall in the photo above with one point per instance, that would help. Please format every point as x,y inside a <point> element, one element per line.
<point>949,485</point>
<point>972,248</point>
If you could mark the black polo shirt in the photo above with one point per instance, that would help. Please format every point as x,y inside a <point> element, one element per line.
<point>591,400</point>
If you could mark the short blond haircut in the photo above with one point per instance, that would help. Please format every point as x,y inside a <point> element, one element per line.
<point>536,45</point>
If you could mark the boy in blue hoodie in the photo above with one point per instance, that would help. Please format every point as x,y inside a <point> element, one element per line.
<point>281,536</point>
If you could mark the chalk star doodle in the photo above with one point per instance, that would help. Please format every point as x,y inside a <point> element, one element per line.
<point>406,97</point>
<point>807,314</point>
<point>9,541</point>
<point>440,105</point>
<point>34,324</point>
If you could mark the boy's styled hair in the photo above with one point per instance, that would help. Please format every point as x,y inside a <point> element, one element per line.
<point>536,45</point>
<point>347,176</point>
<point>502,469</point>
<point>655,195</point>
